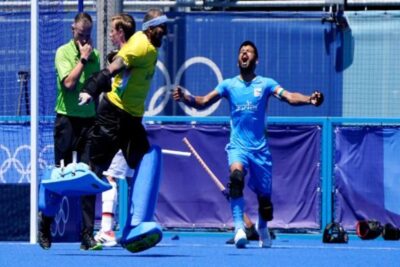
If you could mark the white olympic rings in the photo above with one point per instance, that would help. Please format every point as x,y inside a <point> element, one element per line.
<point>165,90</point>
<point>12,162</point>
<point>61,218</point>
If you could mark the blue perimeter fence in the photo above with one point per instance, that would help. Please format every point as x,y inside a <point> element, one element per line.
<point>358,168</point>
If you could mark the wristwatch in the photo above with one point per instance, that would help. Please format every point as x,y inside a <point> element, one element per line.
<point>83,61</point>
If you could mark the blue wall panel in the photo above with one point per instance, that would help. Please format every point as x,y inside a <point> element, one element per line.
<point>292,48</point>
<point>371,82</point>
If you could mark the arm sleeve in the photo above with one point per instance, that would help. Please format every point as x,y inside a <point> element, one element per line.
<point>63,65</point>
<point>222,88</point>
<point>131,53</point>
<point>272,85</point>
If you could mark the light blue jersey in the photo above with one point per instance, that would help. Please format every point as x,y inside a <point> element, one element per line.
<point>248,143</point>
<point>248,103</point>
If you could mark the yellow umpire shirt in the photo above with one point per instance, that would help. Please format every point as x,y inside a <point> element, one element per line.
<point>131,86</point>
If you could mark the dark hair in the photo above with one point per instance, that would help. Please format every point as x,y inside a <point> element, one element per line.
<point>250,43</point>
<point>83,16</point>
<point>152,13</point>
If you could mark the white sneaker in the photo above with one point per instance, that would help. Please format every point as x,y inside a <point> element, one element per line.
<point>240,239</point>
<point>265,239</point>
<point>107,239</point>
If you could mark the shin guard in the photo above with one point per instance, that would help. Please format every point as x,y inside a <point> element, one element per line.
<point>265,208</point>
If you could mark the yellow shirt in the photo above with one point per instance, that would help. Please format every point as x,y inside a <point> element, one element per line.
<point>131,86</point>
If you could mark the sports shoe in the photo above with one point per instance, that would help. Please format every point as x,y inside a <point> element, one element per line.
<point>265,238</point>
<point>251,233</point>
<point>240,239</point>
<point>44,233</point>
<point>106,238</point>
<point>88,243</point>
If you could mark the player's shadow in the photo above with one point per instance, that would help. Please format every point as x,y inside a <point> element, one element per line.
<point>157,255</point>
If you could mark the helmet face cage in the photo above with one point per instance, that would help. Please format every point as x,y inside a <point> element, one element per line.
<point>390,232</point>
<point>335,233</point>
<point>371,229</point>
<point>368,229</point>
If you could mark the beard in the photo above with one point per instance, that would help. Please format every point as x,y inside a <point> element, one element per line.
<point>157,42</point>
<point>247,67</point>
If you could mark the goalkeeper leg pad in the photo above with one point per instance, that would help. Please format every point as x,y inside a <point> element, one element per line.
<point>145,188</point>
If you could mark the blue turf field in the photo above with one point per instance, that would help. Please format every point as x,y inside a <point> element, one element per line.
<point>209,249</point>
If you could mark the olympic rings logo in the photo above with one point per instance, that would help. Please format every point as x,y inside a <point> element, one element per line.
<point>61,218</point>
<point>15,161</point>
<point>164,91</point>
<point>12,161</point>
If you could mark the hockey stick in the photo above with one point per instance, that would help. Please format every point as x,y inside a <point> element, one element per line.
<point>175,152</point>
<point>215,179</point>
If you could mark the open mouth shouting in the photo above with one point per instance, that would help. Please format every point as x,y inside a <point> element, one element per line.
<point>244,61</point>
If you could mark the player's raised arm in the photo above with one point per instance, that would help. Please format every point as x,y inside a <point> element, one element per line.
<point>198,102</point>
<point>100,81</point>
<point>117,65</point>
<point>294,98</point>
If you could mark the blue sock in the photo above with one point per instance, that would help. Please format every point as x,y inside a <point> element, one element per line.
<point>261,223</point>
<point>237,206</point>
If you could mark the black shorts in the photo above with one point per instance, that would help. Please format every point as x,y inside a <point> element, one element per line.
<point>116,129</point>
<point>71,134</point>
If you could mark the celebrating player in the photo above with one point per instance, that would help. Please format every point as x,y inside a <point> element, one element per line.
<point>119,124</point>
<point>248,150</point>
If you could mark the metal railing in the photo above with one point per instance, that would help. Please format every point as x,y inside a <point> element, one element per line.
<point>137,4</point>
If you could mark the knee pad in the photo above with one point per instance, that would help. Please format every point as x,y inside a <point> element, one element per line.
<point>265,208</point>
<point>236,184</point>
